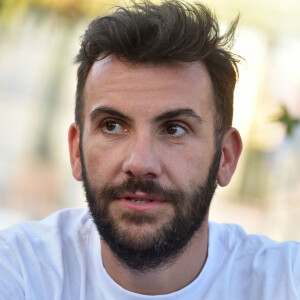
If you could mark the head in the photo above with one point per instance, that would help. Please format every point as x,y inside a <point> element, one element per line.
<point>153,129</point>
<point>174,31</point>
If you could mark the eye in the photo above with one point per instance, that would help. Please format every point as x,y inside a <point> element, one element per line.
<point>176,130</point>
<point>112,127</point>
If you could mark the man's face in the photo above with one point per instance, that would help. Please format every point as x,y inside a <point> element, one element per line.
<point>149,161</point>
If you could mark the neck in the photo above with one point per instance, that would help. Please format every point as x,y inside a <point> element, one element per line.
<point>166,279</point>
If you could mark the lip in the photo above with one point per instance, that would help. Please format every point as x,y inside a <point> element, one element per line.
<point>154,204</point>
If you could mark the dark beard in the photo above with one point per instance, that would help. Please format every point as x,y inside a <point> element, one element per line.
<point>170,240</point>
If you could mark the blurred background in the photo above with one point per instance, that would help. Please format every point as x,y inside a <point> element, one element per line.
<point>38,42</point>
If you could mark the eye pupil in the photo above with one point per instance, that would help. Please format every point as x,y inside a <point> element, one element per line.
<point>110,126</point>
<point>172,130</point>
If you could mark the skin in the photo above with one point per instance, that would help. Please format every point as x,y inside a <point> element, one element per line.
<point>128,134</point>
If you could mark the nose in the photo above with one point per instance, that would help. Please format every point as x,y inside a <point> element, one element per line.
<point>142,160</point>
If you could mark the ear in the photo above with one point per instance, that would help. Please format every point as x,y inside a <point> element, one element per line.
<point>231,149</point>
<point>74,140</point>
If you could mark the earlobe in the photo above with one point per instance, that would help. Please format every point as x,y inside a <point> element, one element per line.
<point>74,140</point>
<point>231,150</point>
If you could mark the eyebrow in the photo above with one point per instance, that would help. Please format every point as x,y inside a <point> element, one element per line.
<point>109,111</point>
<point>171,114</point>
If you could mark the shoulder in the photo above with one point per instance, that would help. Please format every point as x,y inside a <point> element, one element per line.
<point>257,261</point>
<point>64,229</point>
<point>62,223</point>
<point>45,250</point>
<point>234,237</point>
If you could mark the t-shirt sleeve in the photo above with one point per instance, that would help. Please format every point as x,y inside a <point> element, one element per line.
<point>11,282</point>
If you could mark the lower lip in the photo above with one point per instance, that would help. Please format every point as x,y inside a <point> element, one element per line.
<point>141,206</point>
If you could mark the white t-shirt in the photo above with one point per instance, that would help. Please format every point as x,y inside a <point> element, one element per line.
<point>60,258</point>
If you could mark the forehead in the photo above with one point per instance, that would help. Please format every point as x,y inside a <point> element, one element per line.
<point>151,87</point>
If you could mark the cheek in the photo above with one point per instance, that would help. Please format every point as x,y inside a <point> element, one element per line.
<point>188,165</point>
<point>102,161</point>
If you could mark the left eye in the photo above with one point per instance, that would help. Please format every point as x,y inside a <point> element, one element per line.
<point>176,130</point>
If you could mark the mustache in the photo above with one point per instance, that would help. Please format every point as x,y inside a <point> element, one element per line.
<point>148,186</point>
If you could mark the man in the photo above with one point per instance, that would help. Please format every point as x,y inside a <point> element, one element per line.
<point>151,141</point>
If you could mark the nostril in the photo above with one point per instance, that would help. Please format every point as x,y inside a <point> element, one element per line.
<point>130,173</point>
<point>139,175</point>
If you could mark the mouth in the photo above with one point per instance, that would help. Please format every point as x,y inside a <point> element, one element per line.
<point>137,200</point>
<point>140,197</point>
<point>140,201</point>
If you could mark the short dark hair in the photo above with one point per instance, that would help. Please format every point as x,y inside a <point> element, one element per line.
<point>164,33</point>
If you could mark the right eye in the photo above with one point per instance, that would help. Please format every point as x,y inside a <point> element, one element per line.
<point>112,127</point>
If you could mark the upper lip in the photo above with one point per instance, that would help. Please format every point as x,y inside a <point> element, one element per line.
<point>141,196</point>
